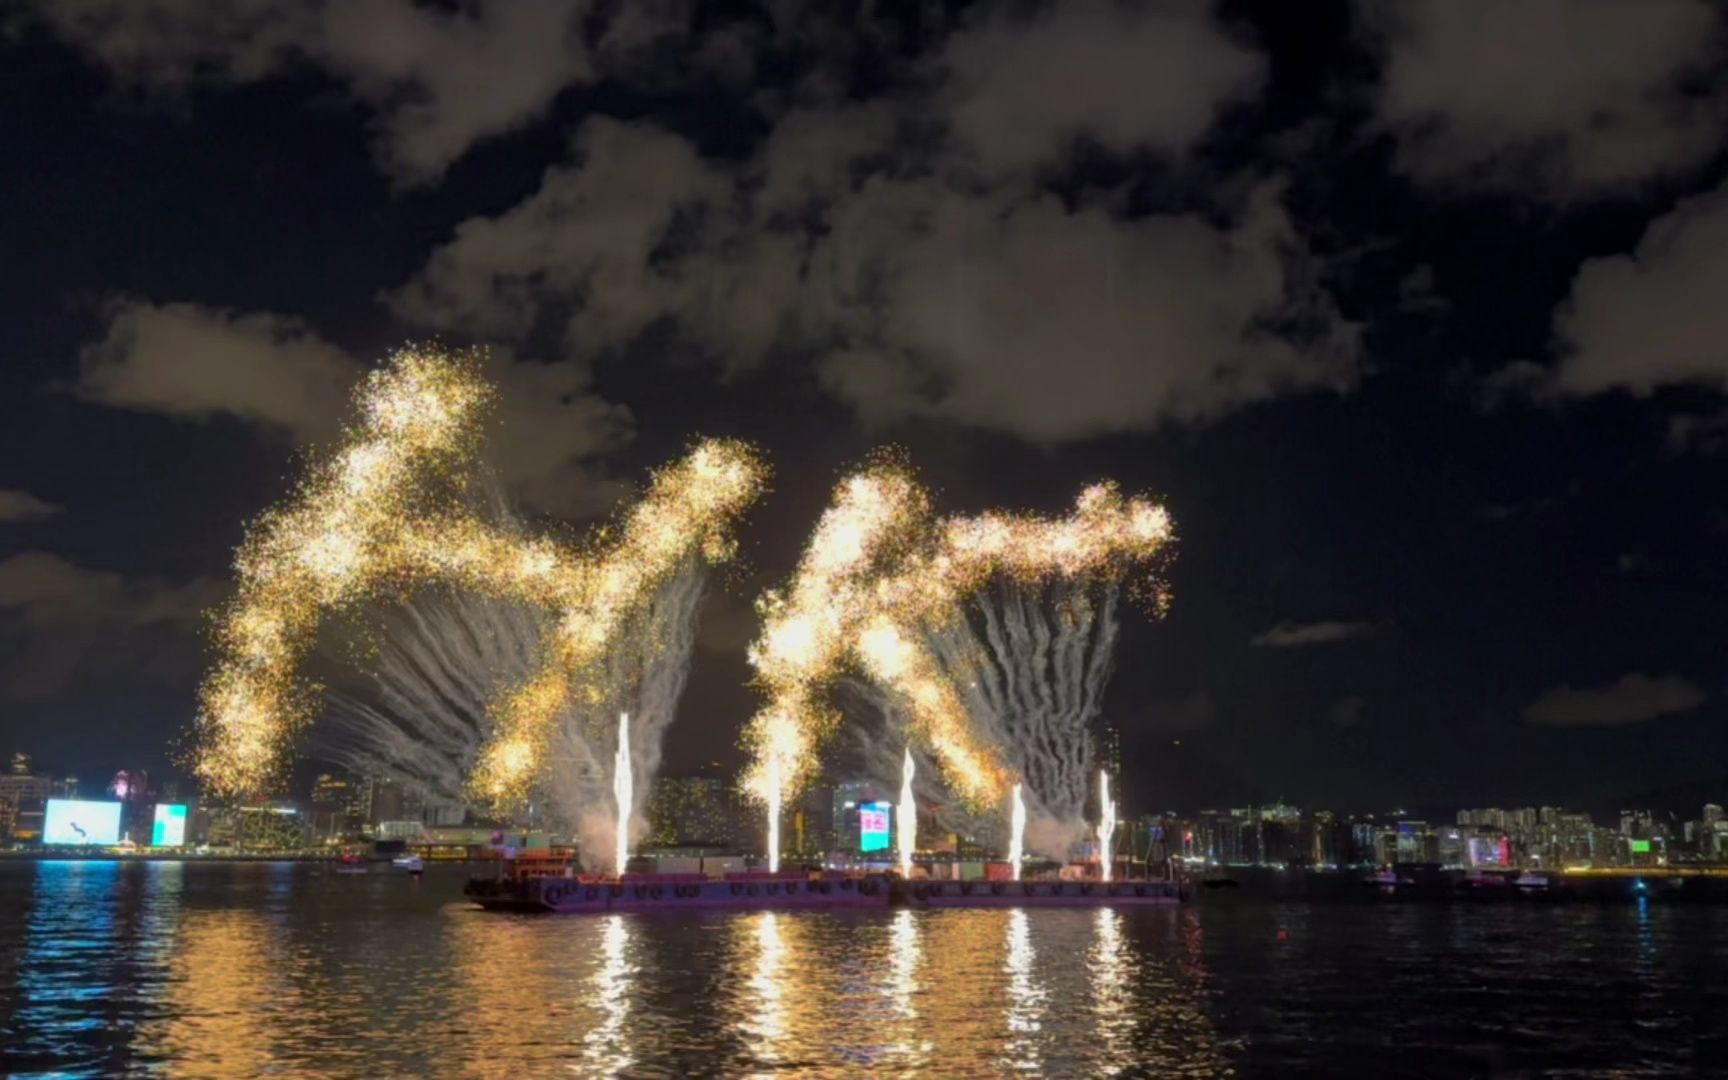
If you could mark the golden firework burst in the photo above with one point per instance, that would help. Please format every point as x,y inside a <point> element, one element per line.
<point>388,513</point>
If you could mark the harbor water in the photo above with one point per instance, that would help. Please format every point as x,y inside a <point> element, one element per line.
<point>291,969</point>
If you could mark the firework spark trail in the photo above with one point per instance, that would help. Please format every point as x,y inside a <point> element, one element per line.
<point>875,726</point>
<point>387,514</point>
<point>882,583</point>
<point>1033,662</point>
<point>644,676</point>
<point>443,658</point>
<point>1017,832</point>
<point>421,717</point>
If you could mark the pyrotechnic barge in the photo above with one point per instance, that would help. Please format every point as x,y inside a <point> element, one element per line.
<point>670,892</point>
<point>782,891</point>
<point>1126,893</point>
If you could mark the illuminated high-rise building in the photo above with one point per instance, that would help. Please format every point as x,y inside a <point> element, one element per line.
<point>337,807</point>
<point>695,811</point>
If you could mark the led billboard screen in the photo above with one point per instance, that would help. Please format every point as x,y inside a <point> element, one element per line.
<point>873,826</point>
<point>79,821</point>
<point>1640,847</point>
<point>170,827</point>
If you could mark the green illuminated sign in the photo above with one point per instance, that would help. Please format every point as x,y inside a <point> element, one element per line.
<point>1640,847</point>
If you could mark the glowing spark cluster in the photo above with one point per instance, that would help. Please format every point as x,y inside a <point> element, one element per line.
<point>390,512</point>
<point>880,575</point>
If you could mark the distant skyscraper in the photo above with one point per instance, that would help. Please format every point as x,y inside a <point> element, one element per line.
<point>337,807</point>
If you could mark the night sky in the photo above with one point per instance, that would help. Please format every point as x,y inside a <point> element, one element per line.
<point>1415,314</point>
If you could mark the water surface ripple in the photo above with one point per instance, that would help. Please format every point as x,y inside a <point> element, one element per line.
<point>279,969</point>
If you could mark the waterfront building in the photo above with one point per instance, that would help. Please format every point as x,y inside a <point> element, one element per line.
<point>336,808</point>
<point>277,825</point>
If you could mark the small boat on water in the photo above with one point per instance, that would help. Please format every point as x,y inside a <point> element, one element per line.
<point>351,863</point>
<point>413,864</point>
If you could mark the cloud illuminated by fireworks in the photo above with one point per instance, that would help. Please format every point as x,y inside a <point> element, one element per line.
<point>879,576</point>
<point>388,513</point>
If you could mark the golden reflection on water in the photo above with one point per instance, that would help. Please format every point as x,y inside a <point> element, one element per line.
<point>605,1046</point>
<point>346,979</point>
<point>766,1027</point>
<point>223,976</point>
<point>1025,1016</point>
<point>1112,999</point>
<point>907,1045</point>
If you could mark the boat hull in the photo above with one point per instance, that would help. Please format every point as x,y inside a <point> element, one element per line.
<point>1010,894</point>
<point>646,893</point>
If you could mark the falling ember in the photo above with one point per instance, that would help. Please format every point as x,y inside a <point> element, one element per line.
<point>1106,823</point>
<point>623,791</point>
<point>774,813</point>
<point>908,811</point>
<point>1017,833</point>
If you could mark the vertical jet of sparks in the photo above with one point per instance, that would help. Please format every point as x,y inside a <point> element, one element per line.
<point>908,811</point>
<point>1106,822</point>
<point>623,790</point>
<point>774,813</point>
<point>1017,833</point>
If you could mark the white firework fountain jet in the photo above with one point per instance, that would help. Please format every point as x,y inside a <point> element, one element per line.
<point>1106,823</point>
<point>907,833</point>
<point>774,813</point>
<point>1017,833</point>
<point>623,791</point>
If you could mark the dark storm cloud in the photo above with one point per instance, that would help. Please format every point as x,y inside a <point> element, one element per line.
<point>1559,98</point>
<point>61,618</point>
<point>186,361</point>
<point>1289,634</point>
<point>23,506</point>
<point>1633,700</point>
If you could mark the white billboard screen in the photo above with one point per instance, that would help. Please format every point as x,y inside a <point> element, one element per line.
<point>80,821</point>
